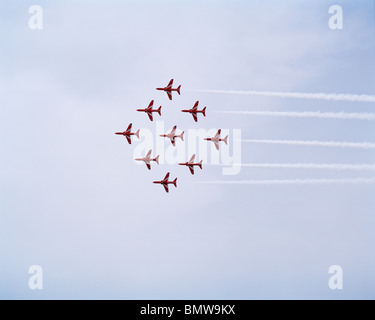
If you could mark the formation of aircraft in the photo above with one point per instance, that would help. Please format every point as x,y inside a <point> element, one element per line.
<point>194,111</point>
<point>172,136</point>
<point>149,110</point>
<point>147,160</point>
<point>216,139</point>
<point>168,89</point>
<point>127,133</point>
<point>165,182</point>
<point>190,164</point>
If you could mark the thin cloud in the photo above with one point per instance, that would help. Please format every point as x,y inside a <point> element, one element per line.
<point>334,144</point>
<point>294,182</point>
<point>330,166</point>
<point>299,95</point>
<point>307,114</point>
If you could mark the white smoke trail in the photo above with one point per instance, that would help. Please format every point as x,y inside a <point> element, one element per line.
<point>295,182</point>
<point>360,145</point>
<point>301,95</point>
<point>322,115</point>
<point>331,166</point>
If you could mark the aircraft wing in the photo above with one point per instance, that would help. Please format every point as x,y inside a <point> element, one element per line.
<point>217,145</point>
<point>166,177</point>
<point>169,95</point>
<point>218,134</point>
<point>129,128</point>
<point>195,117</point>
<point>166,188</point>
<point>148,166</point>
<point>173,141</point>
<point>196,106</point>
<point>151,104</point>
<point>129,139</point>
<point>173,130</point>
<point>148,154</point>
<point>150,116</point>
<point>192,159</point>
<point>191,169</point>
<point>170,84</point>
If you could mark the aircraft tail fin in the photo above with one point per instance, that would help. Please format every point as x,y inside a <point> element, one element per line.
<point>137,134</point>
<point>178,90</point>
<point>157,159</point>
<point>226,140</point>
<point>159,111</point>
<point>200,164</point>
<point>204,111</point>
<point>182,135</point>
<point>175,182</point>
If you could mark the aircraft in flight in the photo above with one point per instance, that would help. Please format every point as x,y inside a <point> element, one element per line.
<point>168,89</point>
<point>127,133</point>
<point>149,110</point>
<point>147,160</point>
<point>165,182</point>
<point>172,135</point>
<point>190,164</point>
<point>216,139</point>
<point>194,111</point>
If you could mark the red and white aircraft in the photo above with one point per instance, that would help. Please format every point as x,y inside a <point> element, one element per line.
<point>194,111</point>
<point>147,160</point>
<point>168,89</point>
<point>149,110</point>
<point>172,135</point>
<point>190,164</point>
<point>165,182</point>
<point>128,133</point>
<point>216,139</point>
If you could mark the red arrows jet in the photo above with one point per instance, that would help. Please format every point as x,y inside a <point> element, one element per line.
<point>172,135</point>
<point>168,89</point>
<point>127,133</point>
<point>147,159</point>
<point>195,110</point>
<point>216,139</point>
<point>191,164</point>
<point>165,182</point>
<point>149,110</point>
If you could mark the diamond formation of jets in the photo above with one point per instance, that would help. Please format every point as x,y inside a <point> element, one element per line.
<point>194,111</point>
<point>165,182</point>
<point>127,133</point>
<point>147,160</point>
<point>216,139</point>
<point>172,135</point>
<point>149,110</point>
<point>190,164</point>
<point>168,89</point>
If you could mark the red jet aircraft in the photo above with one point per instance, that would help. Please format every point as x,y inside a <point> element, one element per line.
<point>168,89</point>
<point>149,110</point>
<point>127,133</point>
<point>165,182</point>
<point>172,135</point>
<point>216,139</point>
<point>191,164</point>
<point>194,111</point>
<point>147,159</point>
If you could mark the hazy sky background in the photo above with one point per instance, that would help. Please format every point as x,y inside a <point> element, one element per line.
<point>73,201</point>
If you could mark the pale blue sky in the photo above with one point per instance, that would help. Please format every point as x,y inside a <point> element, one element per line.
<point>73,201</point>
